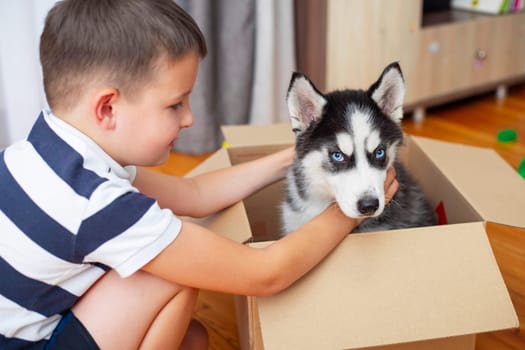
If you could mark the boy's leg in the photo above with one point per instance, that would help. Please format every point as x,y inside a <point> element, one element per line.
<point>141,311</point>
<point>196,337</point>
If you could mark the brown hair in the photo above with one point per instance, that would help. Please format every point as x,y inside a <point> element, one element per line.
<point>117,40</point>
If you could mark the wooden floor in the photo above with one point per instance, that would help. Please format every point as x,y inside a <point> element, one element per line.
<point>475,121</point>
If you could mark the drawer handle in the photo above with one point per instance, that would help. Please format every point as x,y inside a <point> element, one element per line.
<point>481,54</point>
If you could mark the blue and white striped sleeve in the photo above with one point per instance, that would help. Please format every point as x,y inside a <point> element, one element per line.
<point>127,233</point>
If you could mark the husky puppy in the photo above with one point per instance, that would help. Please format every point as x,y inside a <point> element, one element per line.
<point>345,142</point>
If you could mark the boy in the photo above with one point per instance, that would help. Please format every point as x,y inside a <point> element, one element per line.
<point>93,254</point>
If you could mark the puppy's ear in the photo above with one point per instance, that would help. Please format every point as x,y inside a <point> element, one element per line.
<point>305,103</point>
<point>389,91</point>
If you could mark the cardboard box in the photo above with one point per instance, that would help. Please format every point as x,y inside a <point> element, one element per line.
<point>422,288</point>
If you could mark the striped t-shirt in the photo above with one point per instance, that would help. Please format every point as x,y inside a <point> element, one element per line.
<point>68,213</point>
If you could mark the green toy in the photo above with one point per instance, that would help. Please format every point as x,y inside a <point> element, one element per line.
<point>507,135</point>
<point>521,168</point>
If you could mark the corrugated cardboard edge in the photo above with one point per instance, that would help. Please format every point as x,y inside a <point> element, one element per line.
<point>489,183</point>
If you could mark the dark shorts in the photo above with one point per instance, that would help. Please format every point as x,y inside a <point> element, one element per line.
<point>71,334</point>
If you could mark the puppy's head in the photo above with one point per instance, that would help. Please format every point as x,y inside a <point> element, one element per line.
<point>346,140</point>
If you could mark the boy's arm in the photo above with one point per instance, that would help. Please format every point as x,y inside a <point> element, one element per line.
<point>207,193</point>
<point>200,258</point>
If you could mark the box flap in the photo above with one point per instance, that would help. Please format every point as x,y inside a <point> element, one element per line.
<point>489,183</point>
<point>217,160</point>
<point>231,222</point>
<point>412,285</point>
<point>260,135</point>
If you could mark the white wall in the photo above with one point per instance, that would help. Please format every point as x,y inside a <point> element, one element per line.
<point>21,90</point>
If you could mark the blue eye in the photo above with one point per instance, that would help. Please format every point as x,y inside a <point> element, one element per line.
<point>380,153</point>
<point>337,156</point>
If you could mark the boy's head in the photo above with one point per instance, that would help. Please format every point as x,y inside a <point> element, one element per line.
<point>115,41</point>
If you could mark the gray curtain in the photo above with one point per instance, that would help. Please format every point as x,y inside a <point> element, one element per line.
<point>223,89</point>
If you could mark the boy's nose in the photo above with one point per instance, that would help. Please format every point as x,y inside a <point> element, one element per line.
<point>187,120</point>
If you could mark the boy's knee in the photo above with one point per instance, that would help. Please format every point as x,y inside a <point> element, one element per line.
<point>190,294</point>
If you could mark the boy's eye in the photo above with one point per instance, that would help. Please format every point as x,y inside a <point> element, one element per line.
<point>176,106</point>
<point>337,156</point>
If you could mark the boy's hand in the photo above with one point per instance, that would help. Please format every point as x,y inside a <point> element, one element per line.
<point>391,184</point>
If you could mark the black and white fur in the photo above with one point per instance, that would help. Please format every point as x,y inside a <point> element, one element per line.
<point>345,142</point>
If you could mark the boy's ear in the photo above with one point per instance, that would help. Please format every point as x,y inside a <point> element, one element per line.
<point>305,103</point>
<point>104,109</point>
<point>389,91</point>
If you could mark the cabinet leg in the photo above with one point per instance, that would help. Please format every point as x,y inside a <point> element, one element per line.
<point>501,92</point>
<point>419,115</point>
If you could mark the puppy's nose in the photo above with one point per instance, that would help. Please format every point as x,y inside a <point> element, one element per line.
<point>368,205</point>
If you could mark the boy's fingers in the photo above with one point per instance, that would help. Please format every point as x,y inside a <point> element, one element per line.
<point>391,190</point>
<point>391,184</point>
<point>390,176</point>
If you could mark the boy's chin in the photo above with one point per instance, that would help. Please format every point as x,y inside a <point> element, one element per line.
<point>162,160</point>
<point>151,162</point>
